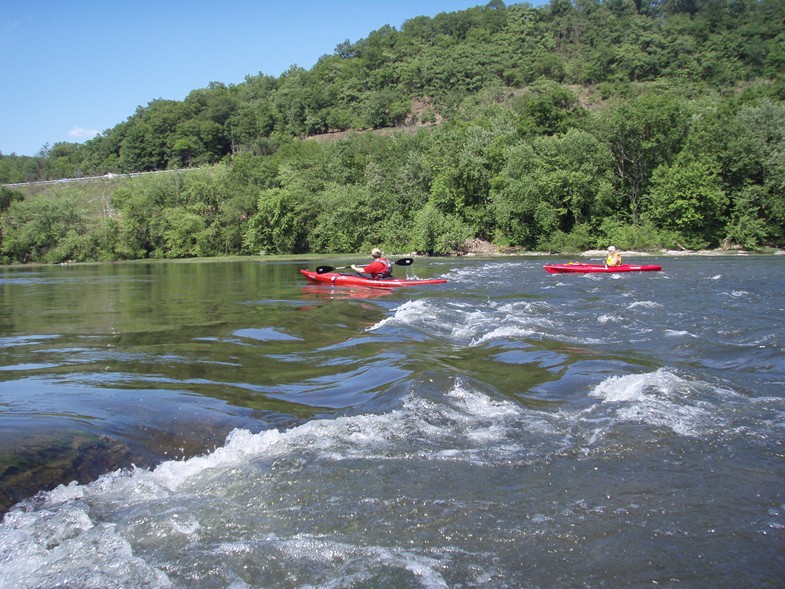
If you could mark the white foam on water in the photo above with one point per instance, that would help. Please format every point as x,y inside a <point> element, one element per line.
<point>406,313</point>
<point>661,399</point>
<point>473,325</point>
<point>487,272</point>
<point>459,274</point>
<point>203,521</point>
<point>678,333</point>
<point>353,561</point>
<point>645,305</point>
<point>508,332</point>
<point>610,319</point>
<point>97,535</point>
<point>64,548</point>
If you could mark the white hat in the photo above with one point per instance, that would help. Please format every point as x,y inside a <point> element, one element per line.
<point>612,248</point>
<point>376,252</point>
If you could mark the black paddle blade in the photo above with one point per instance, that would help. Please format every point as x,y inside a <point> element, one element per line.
<point>324,269</point>
<point>404,262</point>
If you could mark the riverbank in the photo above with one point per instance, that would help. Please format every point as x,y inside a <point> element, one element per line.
<point>476,248</point>
<point>480,248</point>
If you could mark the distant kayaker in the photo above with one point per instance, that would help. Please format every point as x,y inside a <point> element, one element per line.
<point>613,259</point>
<point>379,268</point>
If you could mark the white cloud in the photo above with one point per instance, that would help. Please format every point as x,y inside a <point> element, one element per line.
<point>79,133</point>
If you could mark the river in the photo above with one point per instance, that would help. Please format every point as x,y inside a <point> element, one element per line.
<point>235,427</point>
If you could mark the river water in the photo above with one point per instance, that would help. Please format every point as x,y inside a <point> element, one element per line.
<point>235,427</point>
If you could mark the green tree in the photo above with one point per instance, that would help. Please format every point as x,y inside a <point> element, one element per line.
<point>232,217</point>
<point>63,160</point>
<point>764,135</point>
<point>140,206</point>
<point>547,108</point>
<point>689,199</point>
<point>282,222</point>
<point>183,232</point>
<point>552,184</point>
<point>749,143</point>
<point>437,233</point>
<point>748,224</point>
<point>138,151</point>
<point>643,134</point>
<point>345,222</point>
<point>33,228</point>
<point>8,196</point>
<point>184,151</point>
<point>10,170</point>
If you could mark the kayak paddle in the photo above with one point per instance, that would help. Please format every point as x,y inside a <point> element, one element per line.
<point>401,262</point>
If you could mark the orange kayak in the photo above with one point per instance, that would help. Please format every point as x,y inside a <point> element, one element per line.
<point>581,268</point>
<point>339,279</point>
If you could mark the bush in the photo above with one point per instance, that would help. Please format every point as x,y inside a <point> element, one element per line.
<point>581,238</point>
<point>33,229</point>
<point>644,236</point>
<point>436,233</point>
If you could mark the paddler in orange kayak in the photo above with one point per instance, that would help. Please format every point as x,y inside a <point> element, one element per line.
<point>613,259</point>
<point>379,268</point>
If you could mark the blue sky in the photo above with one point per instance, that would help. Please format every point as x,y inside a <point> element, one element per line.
<point>74,68</point>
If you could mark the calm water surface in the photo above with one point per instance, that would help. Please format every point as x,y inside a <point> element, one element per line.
<point>232,426</point>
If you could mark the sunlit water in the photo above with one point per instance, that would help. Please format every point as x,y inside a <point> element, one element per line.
<point>507,429</point>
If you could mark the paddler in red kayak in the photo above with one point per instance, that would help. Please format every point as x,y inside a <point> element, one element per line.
<point>379,268</point>
<point>613,259</point>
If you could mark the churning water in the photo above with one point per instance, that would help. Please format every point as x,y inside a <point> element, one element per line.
<point>507,429</point>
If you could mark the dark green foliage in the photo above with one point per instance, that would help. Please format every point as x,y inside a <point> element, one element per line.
<point>689,200</point>
<point>567,126</point>
<point>371,83</point>
<point>7,196</point>
<point>547,108</point>
<point>644,133</point>
<point>552,184</point>
<point>44,229</point>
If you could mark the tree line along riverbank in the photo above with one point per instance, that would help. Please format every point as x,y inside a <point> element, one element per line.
<point>560,128</point>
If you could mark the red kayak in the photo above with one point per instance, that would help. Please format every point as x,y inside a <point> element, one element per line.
<point>581,268</point>
<point>338,279</point>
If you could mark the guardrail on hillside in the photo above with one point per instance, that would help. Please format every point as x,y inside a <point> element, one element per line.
<point>104,177</point>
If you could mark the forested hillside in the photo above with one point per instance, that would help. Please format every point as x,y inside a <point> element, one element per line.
<point>560,127</point>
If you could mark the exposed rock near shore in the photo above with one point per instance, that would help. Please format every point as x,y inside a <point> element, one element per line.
<point>480,247</point>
